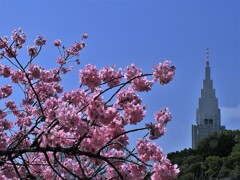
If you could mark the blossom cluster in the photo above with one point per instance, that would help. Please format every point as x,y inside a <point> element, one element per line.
<point>158,129</point>
<point>148,150</point>
<point>138,80</point>
<point>111,77</point>
<point>50,133</point>
<point>163,72</point>
<point>163,168</point>
<point>5,91</point>
<point>76,48</point>
<point>19,38</point>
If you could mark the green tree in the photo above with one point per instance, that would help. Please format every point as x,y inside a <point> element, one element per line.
<point>218,144</point>
<point>212,166</point>
<point>217,157</point>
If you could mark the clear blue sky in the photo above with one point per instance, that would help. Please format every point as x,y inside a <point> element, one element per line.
<point>145,33</point>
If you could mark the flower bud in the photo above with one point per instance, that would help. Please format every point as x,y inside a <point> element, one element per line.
<point>84,36</point>
<point>57,42</point>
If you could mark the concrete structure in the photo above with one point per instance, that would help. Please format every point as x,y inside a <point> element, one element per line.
<point>208,116</point>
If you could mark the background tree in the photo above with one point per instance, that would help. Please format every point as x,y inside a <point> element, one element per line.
<point>47,133</point>
<point>217,157</point>
<point>219,144</point>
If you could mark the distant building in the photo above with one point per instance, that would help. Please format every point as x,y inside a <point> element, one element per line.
<point>208,115</point>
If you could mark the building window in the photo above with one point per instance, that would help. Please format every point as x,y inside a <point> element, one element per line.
<point>205,121</point>
<point>208,121</point>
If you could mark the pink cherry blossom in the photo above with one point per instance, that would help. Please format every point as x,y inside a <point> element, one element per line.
<point>8,171</point>
<point>141,84</point>
<point>19,37</point>
<point>40,41</point>
<point>61,61</point>
<point>90,77</point>
<point>35,71</point>
<point>5,91</point>
<point>148,151</point>
<point>132,71</point>
<point>156,130</point>
<point>18,77</point>
<point>3,42</point>
<point>57,42</point>
<point>32,51</point>
<point>11,52</point>
<point>127,96</point>
<point>163,72</point>
<point>2,114</point>
<point>24,122</point>
<point>109,115</point>
<point>5,124</point>
<point>50,132</point>
<point>3,142</point>
<point>5,71</point>
<point>77,97</point>
<point>165,170</point>
<point>111,77</point>
<point>133,171</point>
<point>76,48</point>
<point>84,36</point>
<point>134,113</point>
<point>163,116</point>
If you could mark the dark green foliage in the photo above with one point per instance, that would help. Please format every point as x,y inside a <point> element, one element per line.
<point>178,156</point>
<point>218,144</point>
<point>211,166</point>
<point>235,173</point>
<point>187,176</point>
<point>217,157</point>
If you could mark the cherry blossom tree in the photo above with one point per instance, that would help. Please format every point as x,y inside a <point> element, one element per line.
<point>49,133</point>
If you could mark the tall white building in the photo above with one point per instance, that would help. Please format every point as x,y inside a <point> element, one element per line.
<point>208,115</point>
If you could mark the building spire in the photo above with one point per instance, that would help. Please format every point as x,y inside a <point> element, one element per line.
<point>208,114</point>
<point>207,56</point>
<point>207,68</point>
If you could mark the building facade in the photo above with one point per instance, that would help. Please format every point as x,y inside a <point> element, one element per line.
<point>208,115</point>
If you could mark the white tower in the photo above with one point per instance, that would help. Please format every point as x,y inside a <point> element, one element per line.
<point>208,117</point>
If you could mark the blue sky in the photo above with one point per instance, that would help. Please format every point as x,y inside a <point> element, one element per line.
<point>145,33</point>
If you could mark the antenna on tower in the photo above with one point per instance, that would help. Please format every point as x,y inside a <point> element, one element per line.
<point>207,56</point>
